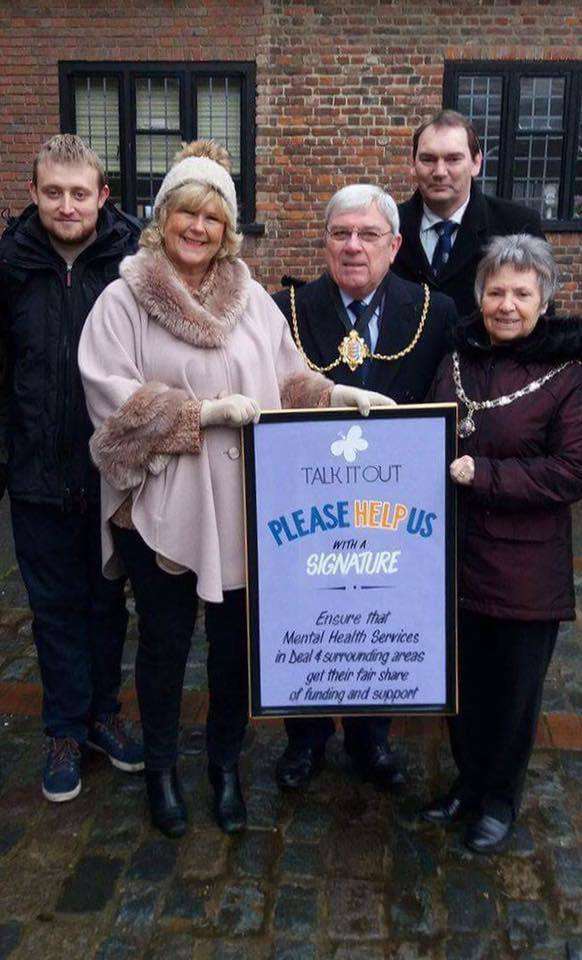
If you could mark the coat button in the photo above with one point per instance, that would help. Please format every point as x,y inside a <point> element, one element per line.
<point>233,453</point>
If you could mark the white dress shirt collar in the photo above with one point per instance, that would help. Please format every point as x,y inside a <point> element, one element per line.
<point>347,299</point>
<point>429,236</point>
<point>429,217</point>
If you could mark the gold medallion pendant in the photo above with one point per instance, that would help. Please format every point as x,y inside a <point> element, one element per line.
<point>353,350</point>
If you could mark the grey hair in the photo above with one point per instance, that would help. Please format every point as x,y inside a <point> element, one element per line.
<point>360,196</point>
<point>523,252</point>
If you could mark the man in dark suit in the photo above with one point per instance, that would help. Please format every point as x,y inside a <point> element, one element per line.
<point>401,330</point>
<point>447,222</point>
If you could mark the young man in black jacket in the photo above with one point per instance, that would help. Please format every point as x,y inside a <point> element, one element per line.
<point>55,260</point>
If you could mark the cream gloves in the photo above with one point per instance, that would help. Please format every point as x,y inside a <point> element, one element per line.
<point>236,410</point>
<point>233,410</point>
<point>364,400</point>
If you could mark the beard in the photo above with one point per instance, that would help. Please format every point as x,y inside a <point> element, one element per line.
<point>70,233</point>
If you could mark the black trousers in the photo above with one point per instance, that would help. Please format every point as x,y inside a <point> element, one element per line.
<point>166,606</point>
<point>502,667</point>
<point>360,733</point>
<point>79,617</point>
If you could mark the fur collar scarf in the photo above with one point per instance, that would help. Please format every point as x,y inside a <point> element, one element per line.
<point>158,289</point>
<point>552,339</point>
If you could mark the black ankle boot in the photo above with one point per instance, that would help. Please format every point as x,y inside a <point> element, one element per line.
<point>167,807</point>
<point>229,806</point>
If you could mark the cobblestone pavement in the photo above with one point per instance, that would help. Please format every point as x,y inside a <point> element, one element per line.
<point>341,872</point>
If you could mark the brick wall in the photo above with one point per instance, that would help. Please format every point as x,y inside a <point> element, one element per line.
<point>340,88</point>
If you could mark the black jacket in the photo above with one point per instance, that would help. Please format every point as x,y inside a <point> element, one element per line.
<point>485,217</point>
<point>44,426</point>
<point>323,323</point>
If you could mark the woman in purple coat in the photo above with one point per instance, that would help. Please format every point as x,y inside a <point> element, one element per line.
<point>517,379</point>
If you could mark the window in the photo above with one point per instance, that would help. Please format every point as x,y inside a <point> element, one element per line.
<point>136,115</point>
<point>529,119</point>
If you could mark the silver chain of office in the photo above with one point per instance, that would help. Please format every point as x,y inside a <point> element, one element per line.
<point>467,425</point>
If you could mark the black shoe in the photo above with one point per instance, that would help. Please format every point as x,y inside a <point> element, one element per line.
<point>378,765</point>
<point>297,766</point>
<point>448,809</point>
<point>167,807</point>
<point>489,835</point>
<point>229,807</point>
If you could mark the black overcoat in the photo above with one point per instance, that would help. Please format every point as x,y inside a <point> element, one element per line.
<point>323,323</point>
<point>485,217</point>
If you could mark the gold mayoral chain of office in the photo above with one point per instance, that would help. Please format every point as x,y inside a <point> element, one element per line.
<point>467,424</point>
<point>353,349</point>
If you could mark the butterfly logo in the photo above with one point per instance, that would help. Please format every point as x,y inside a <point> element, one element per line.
<point>349,445</point>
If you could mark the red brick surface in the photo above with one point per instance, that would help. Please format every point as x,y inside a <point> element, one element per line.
<point>562,731</point>
<point>565,730</point>
<point>340,88</point>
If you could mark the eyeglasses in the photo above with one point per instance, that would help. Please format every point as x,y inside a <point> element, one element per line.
<point>365,235</point>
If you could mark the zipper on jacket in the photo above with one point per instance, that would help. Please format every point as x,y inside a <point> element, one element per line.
<point>64,405</point>
<point>67,378</point>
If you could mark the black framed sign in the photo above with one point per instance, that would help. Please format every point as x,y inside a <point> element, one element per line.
<point>351,561</point>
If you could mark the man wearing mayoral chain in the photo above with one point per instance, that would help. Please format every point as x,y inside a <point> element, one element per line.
<point>362,325</point>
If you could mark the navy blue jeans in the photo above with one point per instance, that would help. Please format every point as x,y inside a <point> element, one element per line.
<point>166,606</point>
<point>79,617</point>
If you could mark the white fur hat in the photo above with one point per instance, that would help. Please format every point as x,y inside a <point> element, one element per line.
<point>199,170</point>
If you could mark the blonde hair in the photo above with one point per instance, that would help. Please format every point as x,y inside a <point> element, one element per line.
<point>68,148</point>
<point>192,195</point>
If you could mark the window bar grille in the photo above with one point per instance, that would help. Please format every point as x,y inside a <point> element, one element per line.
<point>226,111</point>
<point>545,172</point>
<point>526,192</point>
<point>486,130</point>
<point>533,104</point>
<point>150,139</point>
<point>528,171</point>
<point>89,110</point>
<point>105,124</point>
<point>166,120</point>
<point>85,94</point>
<point>549,112</point>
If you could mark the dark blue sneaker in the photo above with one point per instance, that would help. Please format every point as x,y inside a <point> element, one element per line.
<point>109,735</point>
<point>62,773</point>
